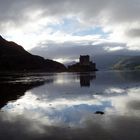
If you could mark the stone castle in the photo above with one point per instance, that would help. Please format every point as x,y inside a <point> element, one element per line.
<point>84,65</point>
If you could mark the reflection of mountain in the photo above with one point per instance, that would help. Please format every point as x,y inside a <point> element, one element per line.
<point>12,91</point>
<point>85,79</point>
<point>129,76</point>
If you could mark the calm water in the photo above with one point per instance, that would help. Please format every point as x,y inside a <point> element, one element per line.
<point>63,106</point>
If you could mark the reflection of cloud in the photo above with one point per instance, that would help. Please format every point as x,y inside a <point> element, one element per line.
<point>97,127</point>
<point>127,103</point>
<point>75,116</point>
<point>43,106</point>
<point>63,106</point>
<point>114,90</point>
<point>134,104</point>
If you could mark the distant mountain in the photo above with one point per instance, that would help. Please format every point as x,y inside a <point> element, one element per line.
<point>115,61</point>
<point>129,63</point>
<point>70,63</point>
<point>13,57</point>
<point>105,61</point>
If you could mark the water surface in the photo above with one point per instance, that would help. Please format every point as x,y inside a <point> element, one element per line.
<point>64,105</point>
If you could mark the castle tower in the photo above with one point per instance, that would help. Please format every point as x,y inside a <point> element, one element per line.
<point>84,60</point>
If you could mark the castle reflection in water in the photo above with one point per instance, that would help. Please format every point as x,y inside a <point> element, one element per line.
<point>86,78</point>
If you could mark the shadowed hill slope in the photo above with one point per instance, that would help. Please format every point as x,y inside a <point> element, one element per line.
<point>129,63</point>
<point>14,57</point>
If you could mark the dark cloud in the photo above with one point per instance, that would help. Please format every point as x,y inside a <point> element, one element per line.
<point>15,13</point>
<point>134,33</point>
<point>11,11</point>
<point>71,50</point>
<point>18,10</point>
<point>123,10</point>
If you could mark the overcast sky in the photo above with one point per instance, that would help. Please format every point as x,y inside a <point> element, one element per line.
<point>59,29</point>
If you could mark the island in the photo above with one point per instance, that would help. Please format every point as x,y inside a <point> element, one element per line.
<point>84,65</point>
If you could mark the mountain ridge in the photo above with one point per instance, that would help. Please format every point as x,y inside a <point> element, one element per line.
<point>14,57</point>
<point>128,63</point>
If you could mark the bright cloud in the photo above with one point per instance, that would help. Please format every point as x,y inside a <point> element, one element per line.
<point>34,23</point>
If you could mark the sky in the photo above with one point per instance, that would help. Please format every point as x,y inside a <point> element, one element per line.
<point>64,29</point>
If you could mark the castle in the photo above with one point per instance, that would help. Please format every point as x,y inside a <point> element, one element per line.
<point>84,65</point>
<point>84,60</point>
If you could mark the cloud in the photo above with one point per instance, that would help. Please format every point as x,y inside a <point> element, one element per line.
<point>134,33</point>
<point>72,50</point>
<point>118,11</point>
<point>45,113</point>
<point>113,48</point>
<point>33,22</point>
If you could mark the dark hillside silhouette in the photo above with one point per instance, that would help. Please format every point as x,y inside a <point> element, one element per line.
<point>13,57</point>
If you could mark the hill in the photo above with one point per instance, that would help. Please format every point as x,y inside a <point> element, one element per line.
<point>106,61</point>
<point>129,63</point>
<point>13,57</point>
<point>110,61</point>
